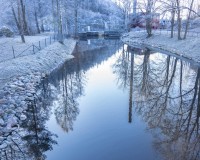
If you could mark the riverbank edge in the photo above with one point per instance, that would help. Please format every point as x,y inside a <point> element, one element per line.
<point>142,41</point>
<point>43,62</point>
<point>20,91</point>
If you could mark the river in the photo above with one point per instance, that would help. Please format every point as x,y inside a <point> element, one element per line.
<point>114,102</point>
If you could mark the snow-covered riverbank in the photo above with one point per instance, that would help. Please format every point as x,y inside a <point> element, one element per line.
<point>43,61</point>
<point>17,75</point>
<point>18,83</point>
<point>189,48</point>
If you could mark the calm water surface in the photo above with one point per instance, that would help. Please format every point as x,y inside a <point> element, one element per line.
<point>115,102</point>
<point>92,111</point>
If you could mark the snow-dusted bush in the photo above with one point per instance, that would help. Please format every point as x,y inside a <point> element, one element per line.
<point>5,31</point>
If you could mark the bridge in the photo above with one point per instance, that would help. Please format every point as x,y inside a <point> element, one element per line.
<point>109,34</point>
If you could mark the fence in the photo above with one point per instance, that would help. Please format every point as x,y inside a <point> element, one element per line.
<point>16,52</point>
<point>35,47</point>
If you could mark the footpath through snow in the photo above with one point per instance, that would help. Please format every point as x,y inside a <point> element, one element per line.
<point>189,48</point>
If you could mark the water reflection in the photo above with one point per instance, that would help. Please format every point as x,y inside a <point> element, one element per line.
<point>162,89</point>
<point>32,138</point>
<point>38,138</point>
<point>70,79</point>
<point>59,94</point>
<point>165,91</point>
<point>70,88</point>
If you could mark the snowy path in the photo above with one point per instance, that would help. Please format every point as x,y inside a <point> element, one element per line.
<point>189,48</point>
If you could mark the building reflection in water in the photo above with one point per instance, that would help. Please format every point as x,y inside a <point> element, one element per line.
<point>165,91</point>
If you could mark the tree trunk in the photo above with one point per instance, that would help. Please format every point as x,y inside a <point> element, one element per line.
<point>59,22</point>
<point>76,18</point>
<point>25,26</point>
<point>53,15</point>
<point>36,22</point>
<point>42,26</point>
<point>19,27</point>
<point>179,19</point>
<point>172,21</point>
<point>188,19</point>
<point>149,18</point>
<point>134,7</point>
<point>40,15</point>
<point>148,27</point>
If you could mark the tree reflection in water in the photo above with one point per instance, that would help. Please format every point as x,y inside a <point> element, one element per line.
<point>71,79</point>
<point>32,138</point>
<point>165,91</point>
<point>60,91</point>
<point>70,89</point>
<point>39,139</point>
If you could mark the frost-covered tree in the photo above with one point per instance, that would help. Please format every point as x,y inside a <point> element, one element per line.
<point>181,13</point>
<point>126,6</point>
<point>19,13</point>
<point>149,9</point>
<point>60,16</point>
<point>39,9</point>
<point>191,4</point>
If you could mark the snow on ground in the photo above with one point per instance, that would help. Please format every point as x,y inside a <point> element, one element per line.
<point>43,61</point>
<point>19,78</point>
<point>195,29</point>
<point>6,44</point>
<point>189,48</point>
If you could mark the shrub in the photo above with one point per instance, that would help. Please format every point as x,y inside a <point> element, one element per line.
<point>4,31</point>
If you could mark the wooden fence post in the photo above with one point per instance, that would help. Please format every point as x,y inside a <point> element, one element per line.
<point>13,51</point>
<point>39,45</point>
<point>33,49</point>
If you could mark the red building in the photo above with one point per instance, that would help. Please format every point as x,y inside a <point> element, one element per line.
<point>140,21</point>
